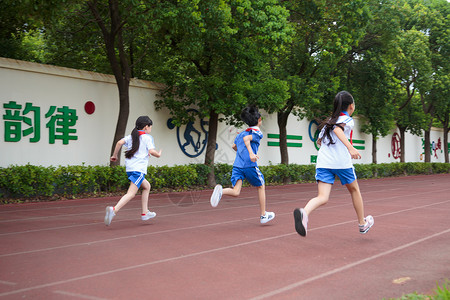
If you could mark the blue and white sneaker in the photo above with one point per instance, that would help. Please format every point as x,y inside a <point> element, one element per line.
<point>268,216</point>
<point>216,195</point>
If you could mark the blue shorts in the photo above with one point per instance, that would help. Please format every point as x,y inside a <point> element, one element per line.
<point>252,174</point>
<point>136,178</point>
<point>328,175</point>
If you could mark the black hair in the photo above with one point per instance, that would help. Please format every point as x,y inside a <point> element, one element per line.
<point>342,100</point>
<point>250,115</point>
<point>141,122</point>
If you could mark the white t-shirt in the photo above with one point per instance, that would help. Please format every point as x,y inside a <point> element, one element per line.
<point>336,156</point>
<point>139,161</point>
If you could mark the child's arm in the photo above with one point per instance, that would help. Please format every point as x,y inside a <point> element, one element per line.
<point>247,140</point>
<point>155,153</point>
<point>234,147</point>
<point>341,136</point>
<point>119,145</point>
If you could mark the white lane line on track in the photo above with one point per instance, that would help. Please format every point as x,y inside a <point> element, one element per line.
<point>204,226</point>
<point>348,266</point>
<point>200,211</point>
<point>283,195</point>
<point>275,292</point>
<point>121,238</point>
<point>7,282</point>
<point>166,196</point>
<point>98,202</point>
<point>79,296</point>
<point>159,197</point>
<point>134,219</point>
<point>102,205</point>
<point>142,265</point>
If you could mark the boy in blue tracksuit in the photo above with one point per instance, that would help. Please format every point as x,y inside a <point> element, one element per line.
<point>245,166</point>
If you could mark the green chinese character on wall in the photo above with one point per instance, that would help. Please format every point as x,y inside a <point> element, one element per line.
<point>60,123</point>
<point>14,120</point>
<point>34,123</point>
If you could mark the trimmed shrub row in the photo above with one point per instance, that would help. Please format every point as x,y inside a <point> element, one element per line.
<point>35,181</point>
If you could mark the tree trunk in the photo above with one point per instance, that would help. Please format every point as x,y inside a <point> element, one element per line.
<point>120,65</point>
<point>124,111</point>
<point>374,149</point>
<point>446,130</point>
<point>402,143</point>
<point>426,146</point>
<point>282,118</point>
<point>211,146</point>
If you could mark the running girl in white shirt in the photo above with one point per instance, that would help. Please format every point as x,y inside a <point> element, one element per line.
<point>140,146</point>
<point>335,159</point>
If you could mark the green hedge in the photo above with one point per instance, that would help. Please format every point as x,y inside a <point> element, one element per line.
<point>39,182</point>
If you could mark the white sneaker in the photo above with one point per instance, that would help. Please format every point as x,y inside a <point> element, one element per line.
<point>216,195</point>
<point>149,215</point>
<point>268,216</point>
<point>369,223</point>
<point>109,215</point>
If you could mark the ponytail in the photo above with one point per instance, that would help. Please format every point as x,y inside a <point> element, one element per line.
<point>342,100</point>
<point>141,122</point>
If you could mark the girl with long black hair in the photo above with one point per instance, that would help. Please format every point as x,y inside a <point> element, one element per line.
<point>140,146</point>
<point>335,159</point>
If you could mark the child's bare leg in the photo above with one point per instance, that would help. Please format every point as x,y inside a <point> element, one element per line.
<point>145,193</point>
<point>324,190</point>
<point>235,191</point>
<point>262,199</point>
<point>353,188</point>
<point>132,190</point>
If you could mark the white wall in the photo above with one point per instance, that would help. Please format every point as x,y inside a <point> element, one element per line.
<point>44,86</point>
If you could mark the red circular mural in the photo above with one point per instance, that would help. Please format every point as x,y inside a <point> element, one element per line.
<point>89,107</point>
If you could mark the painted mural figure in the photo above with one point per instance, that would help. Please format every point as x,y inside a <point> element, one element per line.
<point>437,146</point>
<point>246,145</point>
<point>395,146</point>
<point>187,137</point>
<point>190,139</point>
<point>140,146</point>
<point>335,159</point>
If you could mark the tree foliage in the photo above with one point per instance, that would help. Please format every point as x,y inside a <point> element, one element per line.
<point>369,73</point>
<point>325,32</point>
<point>288,57</point>
<point>214,55</point>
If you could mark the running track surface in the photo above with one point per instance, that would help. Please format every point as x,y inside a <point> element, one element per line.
<point>63,250</point>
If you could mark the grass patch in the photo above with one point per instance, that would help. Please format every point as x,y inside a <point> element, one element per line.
<point>440,293</point>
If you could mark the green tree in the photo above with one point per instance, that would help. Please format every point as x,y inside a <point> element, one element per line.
<point>214,55</point>
<point>436,101</point>
<point>325,32</point>
<point>412,72</point>
<point>95,35</point>
<point>100,35</point>
<point>441,90</point>
<point>371,89</point>
<point>20,30</point>
<point>370,72</point>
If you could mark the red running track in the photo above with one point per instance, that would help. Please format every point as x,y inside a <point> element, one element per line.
<point>62,250</point>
